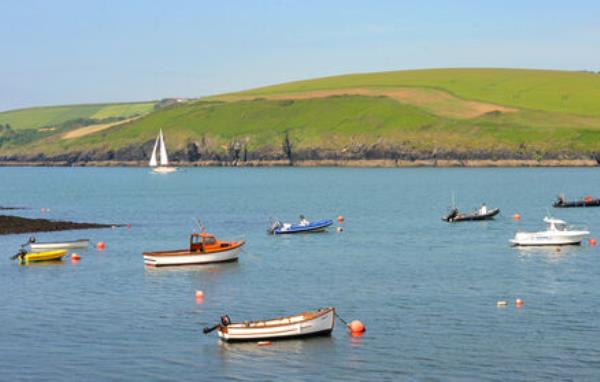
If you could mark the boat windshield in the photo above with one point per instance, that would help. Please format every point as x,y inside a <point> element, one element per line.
<point>210,240</point>
<point>556,226</point>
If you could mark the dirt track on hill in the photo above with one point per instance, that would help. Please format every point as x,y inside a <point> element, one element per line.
<point>436,101</point>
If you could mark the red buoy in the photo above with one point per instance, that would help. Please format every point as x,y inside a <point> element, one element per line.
<point>519,303</point>
<point>592,242</point>
<point>199,294</point>
<point>356,327</point>
<point>588,198</point>
<point>75,257</point>
<point>100,246</point>
<point>516,217</point>
<point>340,219</point>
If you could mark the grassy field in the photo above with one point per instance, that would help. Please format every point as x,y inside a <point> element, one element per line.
<point>449,109</point>
<point>34,118</point>
<point>546,90</point>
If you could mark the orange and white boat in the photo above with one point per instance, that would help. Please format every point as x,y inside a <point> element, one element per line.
<point>313,323</point>
<point>204,249</point>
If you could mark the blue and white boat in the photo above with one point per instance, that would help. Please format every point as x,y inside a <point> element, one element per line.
<point>304,226</point>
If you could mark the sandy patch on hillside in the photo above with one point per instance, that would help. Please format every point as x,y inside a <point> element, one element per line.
<point>87,130</point>
<point>435,101</point>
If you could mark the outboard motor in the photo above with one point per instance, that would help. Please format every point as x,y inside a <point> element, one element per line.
<point>452,215</point>
<point>225,320</point>
<point>275,225</point>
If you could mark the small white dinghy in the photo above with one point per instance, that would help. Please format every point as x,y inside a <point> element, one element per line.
<point>164,167</point>
<point>313,323</point>
<point>556,233</point>
<point>35,246</point>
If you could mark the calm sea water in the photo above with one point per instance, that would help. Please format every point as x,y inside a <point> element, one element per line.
<point>426,290</point>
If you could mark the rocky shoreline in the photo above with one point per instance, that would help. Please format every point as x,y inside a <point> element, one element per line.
<point>10,224</point>
<point>367,163</point>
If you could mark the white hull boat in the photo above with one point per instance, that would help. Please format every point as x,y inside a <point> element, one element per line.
<point>190,259</point>
<point>204,248</point>
<point>557,233</point>
<point>313,323</point>
<point>164,170</point>
<point>164,167</point>
<point>48,246</point>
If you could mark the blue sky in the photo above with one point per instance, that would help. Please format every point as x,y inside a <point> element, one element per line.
<point>61,52</point>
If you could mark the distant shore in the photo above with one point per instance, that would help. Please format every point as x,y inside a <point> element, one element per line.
<point>366,163</point>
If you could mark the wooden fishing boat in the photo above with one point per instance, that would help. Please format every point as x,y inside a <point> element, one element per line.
<point>29,257</point>
<point>204,249</point>
<point>588,201</point>
<point>455,216</point>
<point>45,246</point>
<point>312,323</point>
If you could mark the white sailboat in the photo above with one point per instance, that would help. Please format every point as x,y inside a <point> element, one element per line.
<point>164,159</point>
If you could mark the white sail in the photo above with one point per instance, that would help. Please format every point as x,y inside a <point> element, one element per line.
<point>153,162</point>
<point>164,159</point>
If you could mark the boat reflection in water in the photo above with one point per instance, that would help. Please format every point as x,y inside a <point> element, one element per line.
<point>552,254</point>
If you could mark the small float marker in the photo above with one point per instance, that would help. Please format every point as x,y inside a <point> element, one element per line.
<point>75,257</point>
<point>519,303</point>
<point>339,229</point>
<point>100,246</point>
<point>502,304</point>
<point>356,327</point>
<point>340,219</point>
<point>592,242</point>
<point>199,294</point>
<point>516,217</point>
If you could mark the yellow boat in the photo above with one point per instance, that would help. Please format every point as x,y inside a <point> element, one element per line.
<point>25,258</point>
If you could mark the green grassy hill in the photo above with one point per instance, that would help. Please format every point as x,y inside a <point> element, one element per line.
<point>518,113</point>
<point>37,117</point>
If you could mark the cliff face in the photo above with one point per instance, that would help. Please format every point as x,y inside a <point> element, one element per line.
<point>196,154</point>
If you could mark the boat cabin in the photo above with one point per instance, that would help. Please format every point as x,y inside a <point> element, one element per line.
<point>206,242</point>
<point>556,224</point>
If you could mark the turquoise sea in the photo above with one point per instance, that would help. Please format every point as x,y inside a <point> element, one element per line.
<point>426,290</point>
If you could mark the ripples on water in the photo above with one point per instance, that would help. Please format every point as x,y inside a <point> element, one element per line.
<point>425,289</point>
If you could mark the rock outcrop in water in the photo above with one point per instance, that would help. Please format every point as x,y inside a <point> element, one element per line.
<point>16,224</point>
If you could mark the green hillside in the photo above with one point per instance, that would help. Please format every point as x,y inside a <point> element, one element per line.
<point>547,90</point>
<point>529,113</point>
<point>37,117</point>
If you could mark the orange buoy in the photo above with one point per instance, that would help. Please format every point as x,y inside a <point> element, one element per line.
<point>592,242</point>
<point>519,303</point>
<point>75,257</point>
<point>356,327</point>
<point>340,219</point>
<point>516,217</point>
<point>588,198</point>
<point>100,246</point>
<point>199,294</point>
